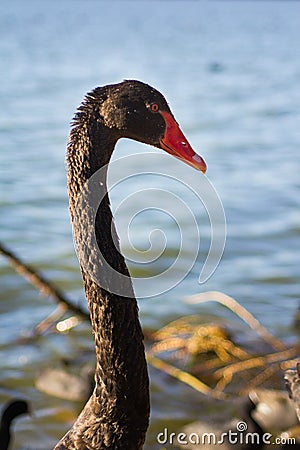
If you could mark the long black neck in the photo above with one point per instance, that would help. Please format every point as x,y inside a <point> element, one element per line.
<point>5,434</point>
<point>117,414</point>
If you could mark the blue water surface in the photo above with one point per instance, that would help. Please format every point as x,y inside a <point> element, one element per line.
<point>230,72</point>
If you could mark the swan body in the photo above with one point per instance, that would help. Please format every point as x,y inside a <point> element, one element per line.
<point>117,414</point>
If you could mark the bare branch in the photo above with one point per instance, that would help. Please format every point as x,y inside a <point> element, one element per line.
<point>240,311</point>
<point>40,282</point>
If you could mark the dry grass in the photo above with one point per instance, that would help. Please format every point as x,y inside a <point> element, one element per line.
<point>206,356</point>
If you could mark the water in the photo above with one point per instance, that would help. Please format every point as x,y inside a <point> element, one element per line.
<point>230,72</point>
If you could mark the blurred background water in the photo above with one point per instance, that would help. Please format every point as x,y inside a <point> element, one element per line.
<point>230,71</point>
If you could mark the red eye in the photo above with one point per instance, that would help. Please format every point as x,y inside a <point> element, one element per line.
<point>154,107</point>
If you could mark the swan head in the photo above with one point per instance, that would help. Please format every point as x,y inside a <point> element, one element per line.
<point>137,111</point>
<point>14,409</point>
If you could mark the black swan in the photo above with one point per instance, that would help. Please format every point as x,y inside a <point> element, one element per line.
<point>11,410</point>
<point>117,414</point>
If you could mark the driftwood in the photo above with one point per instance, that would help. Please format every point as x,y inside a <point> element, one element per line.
<point>45,286</point>
<point>185,377</point>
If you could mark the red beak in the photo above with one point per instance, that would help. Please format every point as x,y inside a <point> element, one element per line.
<point>175,143</point>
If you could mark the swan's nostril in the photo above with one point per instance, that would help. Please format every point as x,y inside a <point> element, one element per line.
<point>197,158</point>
